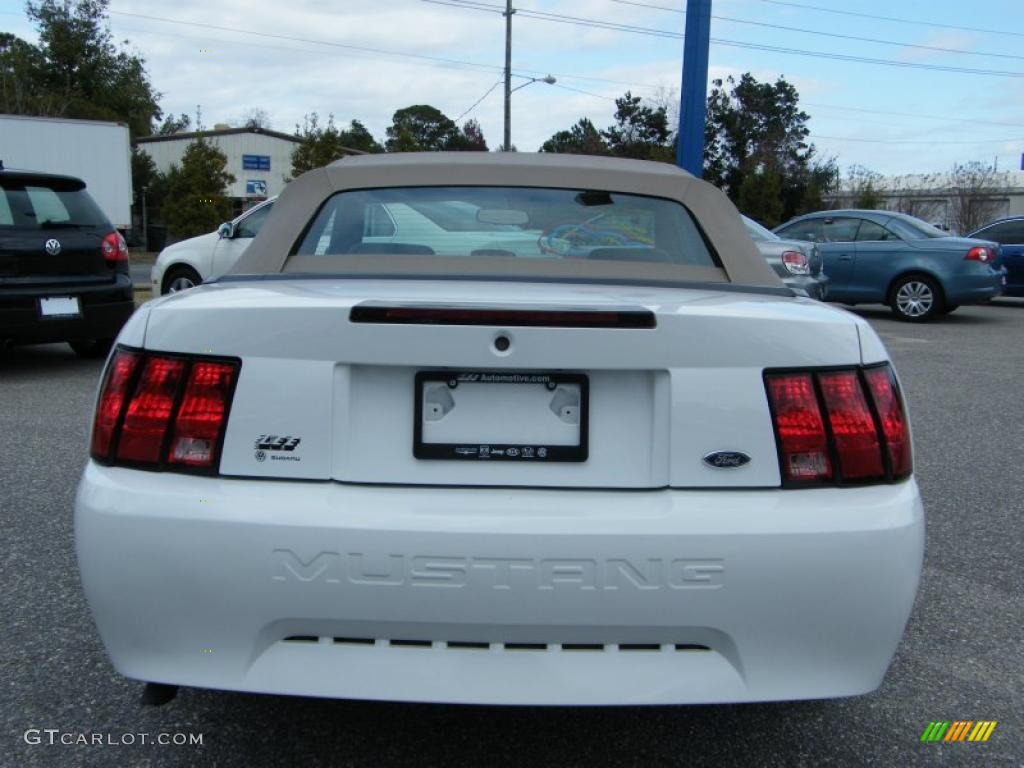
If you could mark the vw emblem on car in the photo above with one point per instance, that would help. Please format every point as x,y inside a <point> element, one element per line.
<point>726,459</point>
<point>52,246</point>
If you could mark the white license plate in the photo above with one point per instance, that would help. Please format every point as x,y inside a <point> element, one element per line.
<point>59,306</point>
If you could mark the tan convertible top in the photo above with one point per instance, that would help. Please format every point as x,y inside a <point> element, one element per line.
<point>272,250</point>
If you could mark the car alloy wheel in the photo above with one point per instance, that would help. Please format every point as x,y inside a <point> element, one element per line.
<point>180,278</point>
<point>180,284</point>
<point>915,299</point>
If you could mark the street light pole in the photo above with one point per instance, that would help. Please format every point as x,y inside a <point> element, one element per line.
<point>507,143</point>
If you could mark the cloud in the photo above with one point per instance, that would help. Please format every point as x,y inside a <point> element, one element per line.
<point>315,72</point>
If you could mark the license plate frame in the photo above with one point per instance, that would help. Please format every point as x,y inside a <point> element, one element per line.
<point>535,452</point>
<point>59,307</point>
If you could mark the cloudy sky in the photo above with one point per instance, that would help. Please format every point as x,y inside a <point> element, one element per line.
<point>921,111</point>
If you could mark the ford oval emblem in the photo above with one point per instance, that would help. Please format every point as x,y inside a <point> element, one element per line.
<point>53,246</point>
<point>726,459</point>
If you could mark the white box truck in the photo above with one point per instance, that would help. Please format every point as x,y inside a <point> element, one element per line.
<point>99,153</point>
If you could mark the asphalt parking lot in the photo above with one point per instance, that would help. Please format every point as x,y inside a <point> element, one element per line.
<point>962,657</point>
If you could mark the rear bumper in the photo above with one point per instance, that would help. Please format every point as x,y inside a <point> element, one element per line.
<point>813,287</point>
<point>975,288</point>
<point>104,309</point>
<point>200,581</point>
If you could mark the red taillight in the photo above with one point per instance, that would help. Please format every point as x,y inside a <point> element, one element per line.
<point>893,419</point>
<point>115,249</point>
<point>149,411</point>
<point>800,429</point>
<point>858,434</point>
<point>201,416</point>
<point>980,253</point>
<point>161,409</point>
<point>796,263</point>
<point>113,395</point>
<point>853,427</point>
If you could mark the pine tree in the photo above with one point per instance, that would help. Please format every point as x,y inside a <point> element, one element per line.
<point>196,191</point>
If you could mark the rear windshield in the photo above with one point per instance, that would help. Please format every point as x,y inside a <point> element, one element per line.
<point>507,223</point>
<point>757,232</point>
<point>38,205</point>
<point>910,228</point>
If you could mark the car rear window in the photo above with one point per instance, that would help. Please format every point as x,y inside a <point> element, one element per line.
<point>757,232</point>
<point>507,223</point>
<point>34,205</point>
<point>911,228</point>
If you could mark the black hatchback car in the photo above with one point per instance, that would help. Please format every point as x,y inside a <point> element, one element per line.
<point>63,266</point>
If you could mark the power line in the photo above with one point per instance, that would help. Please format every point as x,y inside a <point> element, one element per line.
<point>463,63</point>
<point>477,102</point>
<point>837,35</point>
<point>458,63</point>
<point>868,60</point>
<point>580,90</point>
<point>654,32</point>
<point>916,115</point>
<point>914,141</point>
<point>289,38</point>
<point>529,13</point>
<point>958,27</point>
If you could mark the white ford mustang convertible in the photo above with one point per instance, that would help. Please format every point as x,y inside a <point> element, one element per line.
<point>594,453</point>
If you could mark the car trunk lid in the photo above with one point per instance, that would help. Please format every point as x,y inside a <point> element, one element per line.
<point>329,389</point>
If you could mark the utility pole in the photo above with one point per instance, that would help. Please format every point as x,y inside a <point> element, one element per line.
<point>509,10</point>
<point>694,94</point>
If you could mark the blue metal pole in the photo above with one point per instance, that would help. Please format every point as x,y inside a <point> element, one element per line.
<point>693,99</point>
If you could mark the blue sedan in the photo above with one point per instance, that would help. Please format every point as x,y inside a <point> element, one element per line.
<point>1009,233</point>
<point>881,257</point>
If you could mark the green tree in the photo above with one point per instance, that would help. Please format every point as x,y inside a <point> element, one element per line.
<point>321,145</point>
<point>582,139</point>
<point>421,128</point>
<point>172,124</point>
<point>811,188</point>
<point>760,196</point>
<point>196,199</point>
<point>356,136</point>
<point>752,126</point>
<point>318,146</point>
<point>79,71</point>
<point>640,130</point>
<point>469,139</point>
<point>148,181</point>
<point>21,75</point>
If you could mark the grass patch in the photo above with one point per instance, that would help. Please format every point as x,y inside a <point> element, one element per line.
<point>142,257</point>
<point>142,295</point>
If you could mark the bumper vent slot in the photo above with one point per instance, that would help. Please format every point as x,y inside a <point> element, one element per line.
<point>467,645</point>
